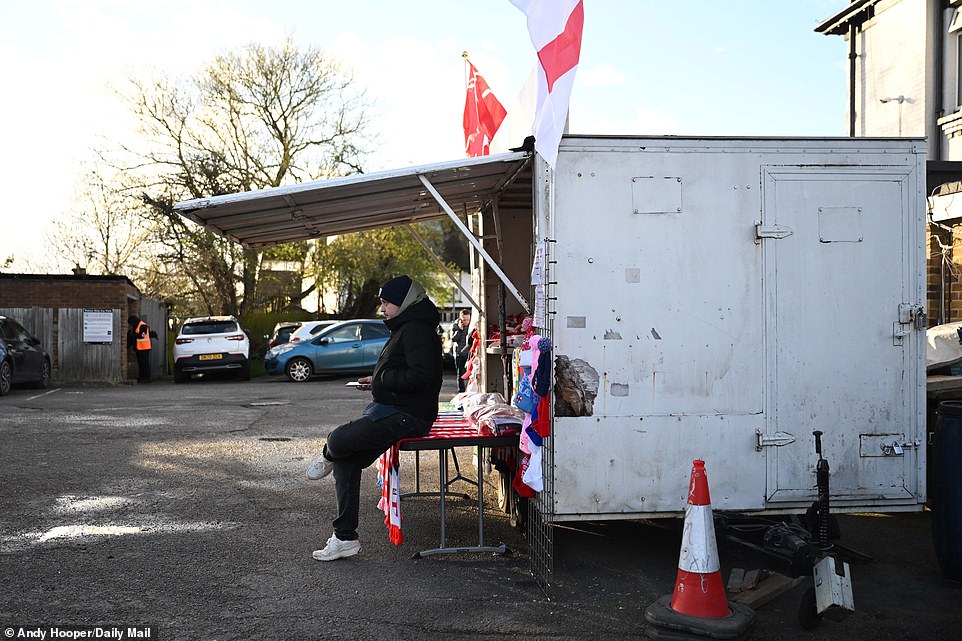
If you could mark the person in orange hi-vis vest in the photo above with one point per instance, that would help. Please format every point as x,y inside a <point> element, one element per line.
<point>138,338</point>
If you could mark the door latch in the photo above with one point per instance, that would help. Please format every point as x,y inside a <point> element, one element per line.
<point>911,318</point>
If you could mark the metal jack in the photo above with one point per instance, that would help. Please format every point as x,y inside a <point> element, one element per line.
<point>831,594</point>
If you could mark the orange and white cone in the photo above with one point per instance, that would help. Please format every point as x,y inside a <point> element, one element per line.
<point>699,590</point>
<point>698,607</point>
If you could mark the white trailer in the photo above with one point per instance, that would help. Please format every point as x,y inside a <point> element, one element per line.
<point>731,296</point>
<point>715,298</point>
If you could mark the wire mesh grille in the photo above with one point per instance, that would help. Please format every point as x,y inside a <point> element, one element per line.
<point>539,529</point>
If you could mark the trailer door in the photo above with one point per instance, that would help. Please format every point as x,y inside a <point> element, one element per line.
<point>839,247</point>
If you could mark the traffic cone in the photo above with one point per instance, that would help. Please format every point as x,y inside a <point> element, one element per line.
<point>699,590</point>
<point>698,607</point>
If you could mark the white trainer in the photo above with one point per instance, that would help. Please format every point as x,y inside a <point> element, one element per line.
<point>319,467</point>
<point>337,549</point>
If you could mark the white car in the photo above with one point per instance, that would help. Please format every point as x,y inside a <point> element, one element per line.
<point>308,330</point>
<point>211,344</point>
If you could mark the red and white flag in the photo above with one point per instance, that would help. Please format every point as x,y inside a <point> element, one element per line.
<point>555,27</point>
<point>483,115</point>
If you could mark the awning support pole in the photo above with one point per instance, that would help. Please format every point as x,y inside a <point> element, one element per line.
<point>440,263</point>
<point>474,242</point>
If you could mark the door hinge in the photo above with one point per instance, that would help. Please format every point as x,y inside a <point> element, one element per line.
<point>771,231</point>
<point>778,439</point>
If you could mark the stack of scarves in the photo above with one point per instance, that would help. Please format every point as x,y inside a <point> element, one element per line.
<point>533,360</point>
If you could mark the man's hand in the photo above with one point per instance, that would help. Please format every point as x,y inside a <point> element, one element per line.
<point>364,383</point>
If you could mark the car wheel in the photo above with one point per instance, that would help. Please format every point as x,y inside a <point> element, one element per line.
<point>245,372</point>
<point>44,379</point>
<point>299,370</point>
<point>6,378</point>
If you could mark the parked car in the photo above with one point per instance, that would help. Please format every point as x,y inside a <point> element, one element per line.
<point>211,344</point>
<point>282,333</point>
<point>22,357</point>
<point>308,330</point>
<point>351,346</point>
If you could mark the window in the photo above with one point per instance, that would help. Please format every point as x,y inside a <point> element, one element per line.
<point>209,327</point>
<point>7,330</point>
<point>955,35</point>
<point>343,334</point>
<point>372,331</point>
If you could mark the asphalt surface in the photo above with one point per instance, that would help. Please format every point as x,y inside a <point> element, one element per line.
<point>185,508</point>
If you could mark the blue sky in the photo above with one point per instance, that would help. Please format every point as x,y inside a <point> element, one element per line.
<point>702,67</point>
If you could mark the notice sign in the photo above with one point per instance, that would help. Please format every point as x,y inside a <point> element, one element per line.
<point>537,265</point>
<point>98,326</point>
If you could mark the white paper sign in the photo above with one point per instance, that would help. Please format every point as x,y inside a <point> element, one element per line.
<point>98,326</point>
<point>537,267</point>
<point>539,307</point>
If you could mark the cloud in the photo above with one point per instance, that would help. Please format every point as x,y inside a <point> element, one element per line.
<point>600,76</point>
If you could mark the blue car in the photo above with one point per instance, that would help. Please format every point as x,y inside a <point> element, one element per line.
<point>351,346</point>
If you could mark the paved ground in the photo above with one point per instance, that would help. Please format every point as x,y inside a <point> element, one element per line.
<point>184,507</point>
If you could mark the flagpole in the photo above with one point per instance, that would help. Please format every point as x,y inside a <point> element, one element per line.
<point>464,56</point>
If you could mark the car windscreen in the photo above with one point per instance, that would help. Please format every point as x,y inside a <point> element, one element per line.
<point>209,327</point>
<point>321,326</point>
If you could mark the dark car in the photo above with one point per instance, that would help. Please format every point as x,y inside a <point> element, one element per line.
<point>22,358</point>
<point>282,333</point>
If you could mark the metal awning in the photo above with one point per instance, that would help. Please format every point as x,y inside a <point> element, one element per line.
<point>362,202</point>
<point>369,201</point>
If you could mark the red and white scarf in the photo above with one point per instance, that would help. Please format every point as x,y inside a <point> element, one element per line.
<point>390,503</point>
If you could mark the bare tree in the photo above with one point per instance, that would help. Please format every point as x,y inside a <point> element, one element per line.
<point>106,233</point>
<point>260,117</point>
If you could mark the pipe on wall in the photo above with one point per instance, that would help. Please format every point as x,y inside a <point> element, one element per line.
<point>852,56</point>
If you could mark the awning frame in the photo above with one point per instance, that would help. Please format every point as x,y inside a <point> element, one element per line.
<point>362,202</point>
<point>493,264</point>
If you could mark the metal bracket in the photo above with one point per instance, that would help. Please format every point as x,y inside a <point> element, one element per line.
<point>771,231</point>
<point>778,439</point>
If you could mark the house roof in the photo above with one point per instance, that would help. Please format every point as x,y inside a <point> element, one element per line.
<point>365,201</point>
<point>856,12</point>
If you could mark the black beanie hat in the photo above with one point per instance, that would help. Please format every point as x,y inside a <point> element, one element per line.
<point>395,290</point>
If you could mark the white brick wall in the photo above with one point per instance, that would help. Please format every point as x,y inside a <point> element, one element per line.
<point>891,63</point>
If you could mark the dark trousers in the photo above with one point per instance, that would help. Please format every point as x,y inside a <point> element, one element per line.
<point>143,365</point>
<point>355,446</point>
<point>461,365</point>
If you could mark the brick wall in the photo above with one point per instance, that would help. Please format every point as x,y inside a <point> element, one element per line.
<point>892,62</point>
<point>73,293</point>
<point>944,275</point>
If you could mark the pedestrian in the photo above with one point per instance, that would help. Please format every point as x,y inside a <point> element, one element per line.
<point>405,386</point>
<point>138,339</point>
<point>461,338</point>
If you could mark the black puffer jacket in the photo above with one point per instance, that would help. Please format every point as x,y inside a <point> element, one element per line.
<point>408,373</point>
